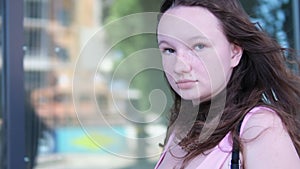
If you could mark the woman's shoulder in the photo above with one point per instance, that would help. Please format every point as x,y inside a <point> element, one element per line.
<point>259,119</point>
<point>265,138</point>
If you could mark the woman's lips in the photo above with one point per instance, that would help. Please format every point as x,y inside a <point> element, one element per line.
<point>186,83</point>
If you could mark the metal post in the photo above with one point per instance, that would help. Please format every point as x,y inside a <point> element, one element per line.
<point>296,20</point>
<point>13,85</point>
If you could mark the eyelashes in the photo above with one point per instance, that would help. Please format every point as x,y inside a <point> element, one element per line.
<point>198,47</point>
<point>168,51</point>
<point>171,51</point>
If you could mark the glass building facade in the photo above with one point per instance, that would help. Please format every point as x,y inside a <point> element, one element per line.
<point>66,101</point>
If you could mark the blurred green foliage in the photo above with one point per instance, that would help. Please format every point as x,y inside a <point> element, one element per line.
<point>145,81</point>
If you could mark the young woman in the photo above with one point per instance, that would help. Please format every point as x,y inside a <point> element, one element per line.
<point>236,104</point>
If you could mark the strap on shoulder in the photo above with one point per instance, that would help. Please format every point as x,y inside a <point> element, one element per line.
<point>235,157</point>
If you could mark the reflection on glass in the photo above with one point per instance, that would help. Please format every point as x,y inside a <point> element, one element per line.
<point>275,17</point>
<point>90,118</point>
<point>60,134</point>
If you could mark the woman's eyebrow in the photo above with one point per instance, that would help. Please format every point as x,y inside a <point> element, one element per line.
<point>161,42</point>
<point>191,39</point>
<point>197,38</point>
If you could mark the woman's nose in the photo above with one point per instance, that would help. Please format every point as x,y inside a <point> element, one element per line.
<point>182,65</point>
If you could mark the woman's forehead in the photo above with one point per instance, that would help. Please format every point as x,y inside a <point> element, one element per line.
<point>186,22</point>
<point>182,22</point>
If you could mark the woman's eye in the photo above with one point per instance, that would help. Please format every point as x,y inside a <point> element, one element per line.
<point>168,51</point>
<point>199,47</point>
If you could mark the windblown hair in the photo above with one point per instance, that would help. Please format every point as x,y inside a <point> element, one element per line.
<point>262,71</point>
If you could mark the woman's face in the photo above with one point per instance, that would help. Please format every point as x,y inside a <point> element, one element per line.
<point>197,58</point>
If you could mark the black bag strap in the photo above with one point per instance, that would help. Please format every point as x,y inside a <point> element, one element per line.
<point>235,157</point>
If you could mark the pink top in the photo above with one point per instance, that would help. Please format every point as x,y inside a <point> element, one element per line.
<point>216,159</point>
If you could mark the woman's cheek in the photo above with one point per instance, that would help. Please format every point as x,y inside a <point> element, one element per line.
<point>171,80</point>
<point>168,66</point>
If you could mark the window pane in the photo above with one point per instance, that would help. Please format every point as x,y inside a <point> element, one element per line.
<point>275,17</point>
<point>93,101</point>
<point>75,125</point>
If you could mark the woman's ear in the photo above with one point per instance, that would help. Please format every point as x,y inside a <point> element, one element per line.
<point>236,54</point>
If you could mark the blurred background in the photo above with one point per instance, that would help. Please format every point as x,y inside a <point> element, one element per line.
<point>71,124</point>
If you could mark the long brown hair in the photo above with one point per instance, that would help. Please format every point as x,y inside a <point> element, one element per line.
<point>261,71</point>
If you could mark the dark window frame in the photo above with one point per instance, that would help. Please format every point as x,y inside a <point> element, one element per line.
<point>13,153</point>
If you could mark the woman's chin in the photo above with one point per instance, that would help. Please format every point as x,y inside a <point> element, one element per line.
<point>196,100</point>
